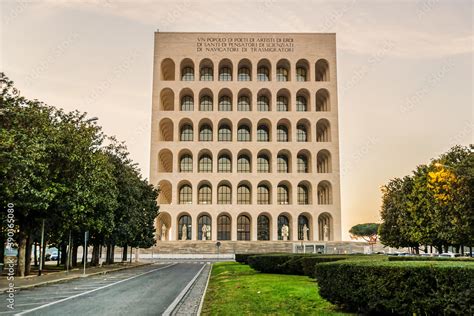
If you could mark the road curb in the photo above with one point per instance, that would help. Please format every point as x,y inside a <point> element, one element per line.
<point>205,291</point>
<point>73,278</point>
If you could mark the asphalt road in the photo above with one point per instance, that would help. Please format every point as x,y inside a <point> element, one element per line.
<point>147,290</point>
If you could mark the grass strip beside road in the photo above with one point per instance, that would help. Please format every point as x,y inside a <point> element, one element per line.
<point>237,289</point>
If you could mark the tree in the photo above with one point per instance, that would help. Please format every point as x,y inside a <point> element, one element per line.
<point>367,231</point>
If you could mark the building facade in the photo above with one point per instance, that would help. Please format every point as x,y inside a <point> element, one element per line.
<point>244,136</point>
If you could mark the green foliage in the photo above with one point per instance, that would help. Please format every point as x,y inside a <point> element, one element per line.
<point>243,257</point>
<point>297,264</point>
<point>55,167</point>
<point>367,231</point>
<point>433,206</point>
<point>417,258</point>
<point>405,288</point>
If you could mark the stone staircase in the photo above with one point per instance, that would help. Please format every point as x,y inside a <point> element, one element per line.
<point>226,247</point>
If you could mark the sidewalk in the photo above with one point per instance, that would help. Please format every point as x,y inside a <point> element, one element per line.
<point>54,277</point>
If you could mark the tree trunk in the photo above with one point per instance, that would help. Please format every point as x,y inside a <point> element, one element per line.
<point>112,253</point>
<point>22,237</point>
<point>124,253</point>
<point>74,255</point>
<point>60,254</point>
<point>417,250</point>
<point>107,253</point>
<point>95,255</point>
<point>63,253</point>
<point>35,253</point>
<point>28,256</point>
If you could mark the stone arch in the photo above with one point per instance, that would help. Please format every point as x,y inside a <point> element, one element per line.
<point>322,70</point>
<point>244,100</point>
<point>264,126</point>
<point>264,100</point>
<point>324,163</point>
<point>244,226</point>
<point>184,218</point>
<point>285,218</point>
<point>302,70</point>
<point>305,218</point>
<point>244,70</point>
<point>165,160</point>
<point>325,227</point>
<point>187,70</point>
<point>324,193</point>
<point>166,100</point>
<point>188,155</point>
<point>186,100</point>
<point>225,68</point>
<point>304,155</point>
<point>264,226</point>
<point>304,125</point>
<point>323,102</point>
<point>165,196</point>
<point>283,64</point>
<point>323,130</point>
<point>264,70</point>
<point>284,100</point>
<point>304,193</point>
<point>165,130</point>
<point>223,98</point>
<point>224,226</point>
<point>303,100</point>
<point>163,233</point>
<point>167,69</point>
<point>204,218</point>
<point>284,193</point>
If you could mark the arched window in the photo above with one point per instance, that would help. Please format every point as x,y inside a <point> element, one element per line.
<point>263,163</point>
<point>322,70</point>
<point>302,222</point>
<point>184,220</point>
<point>243,104</point>
<point>303,196</point>
<point>187,103</point>
<point>205,103</point>
<point>223,227</point>
<point>186,163</point>
<point>205,163</point>
<point>243,228</point>
<point>205,194</point>
<point>224,194</point>
<point>283,196</point>
<point>282,164</point>
<point>225,134</point>
<point>324,161</point>
<point>323,131</point>
<point>263,194</point>
<point>225,74</point>
<point>324,193</point>
<point>302,162</point>
<point>207,74</point>
<point>243,133</point>
<point>243,194</point>
<point>186,133</point>
<point>243,164</point>
<point>204,220</point>
<point>185,194</point>
<point>263,228</point>
<point>263,74</point>
<point>205,133</point>
<point>225,103</point>
<point>187,74</point>
<point>263,133</point>
<point>244,74</point>
<point>301,133</point>
<point>224,164</point>
<point>263,104</point>
<point>322,101</point>
<point>325,226</point>
<point>282,133</point>
<point>283,220</point>
<point>301,104</point>
<point>301,74</point>
<point>282,104</point>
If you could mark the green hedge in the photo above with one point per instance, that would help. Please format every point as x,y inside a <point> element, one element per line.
<point>416,258</point>
<point>296,264</point>
<point>243,257</point>
<point>410,287</point>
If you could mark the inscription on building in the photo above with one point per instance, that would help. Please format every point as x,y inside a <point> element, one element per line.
<point>239,44</point>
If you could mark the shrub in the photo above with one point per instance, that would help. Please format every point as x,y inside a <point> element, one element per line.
<point>243,257</point>
<point>411,287</point>
<point>296,264</point>
<point>406,258</point>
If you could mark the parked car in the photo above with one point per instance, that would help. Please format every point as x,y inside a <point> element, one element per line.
<point>54,256</point>
<point>450,254</point>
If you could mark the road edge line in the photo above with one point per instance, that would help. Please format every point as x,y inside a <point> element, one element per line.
<point>180,296</point>
<point>205,290</point>
<point>90,291</point>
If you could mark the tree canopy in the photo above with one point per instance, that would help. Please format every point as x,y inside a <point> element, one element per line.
<point>367,231</point>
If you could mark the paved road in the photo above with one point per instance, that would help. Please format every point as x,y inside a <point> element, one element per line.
<point>147,290</point>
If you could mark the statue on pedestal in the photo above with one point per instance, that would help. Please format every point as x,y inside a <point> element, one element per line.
<point>284,232</point>
<point>204,230</point>
<point>184,232</point>
<point>163,232</point>
<point>326,232</point>
<point>305,232</point>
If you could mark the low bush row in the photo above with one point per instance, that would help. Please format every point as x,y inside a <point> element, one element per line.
<point>403,287</point>
<point>297,264</point>
<point>243,257</point>
<point>416,258</point>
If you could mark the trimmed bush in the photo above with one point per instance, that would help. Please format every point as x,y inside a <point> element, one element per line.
<point>416,258</point>
<point>410,287</point>
<point>296,264</point>
<point>243,257</point>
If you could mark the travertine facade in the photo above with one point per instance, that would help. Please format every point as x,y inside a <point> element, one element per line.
<point>245,136</point>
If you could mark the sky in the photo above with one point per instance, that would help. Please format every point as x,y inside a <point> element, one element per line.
<point>405,72</point>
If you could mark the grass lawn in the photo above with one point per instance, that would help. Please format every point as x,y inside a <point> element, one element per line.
<point>237,289</point>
